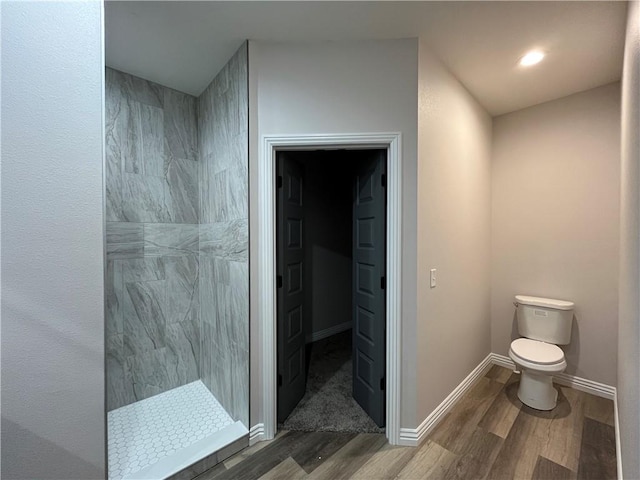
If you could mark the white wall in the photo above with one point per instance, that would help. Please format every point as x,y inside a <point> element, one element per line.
<point>454,155</point>
<point>629,308</point>
<point>555,220</point>
<point>338,87</point>
<point>53,411</point>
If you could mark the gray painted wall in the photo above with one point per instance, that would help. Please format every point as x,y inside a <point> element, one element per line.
<point>555,221</point>
<point>223,123</point>
<point>53,410</point>
<point>152,322</point>
<point>454,219</point>
<point>629,308</point>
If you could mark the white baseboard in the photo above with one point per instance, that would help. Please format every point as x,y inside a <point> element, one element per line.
<point>412,437</point>
<point>578,383</point>
<point>502,361</point>
<point>617,427</point>
<point>256,434</point>
<point>327,332</point>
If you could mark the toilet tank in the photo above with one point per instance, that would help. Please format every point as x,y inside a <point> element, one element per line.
<point>545,319</point>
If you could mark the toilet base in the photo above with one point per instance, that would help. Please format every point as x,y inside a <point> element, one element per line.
<point>536,391</point>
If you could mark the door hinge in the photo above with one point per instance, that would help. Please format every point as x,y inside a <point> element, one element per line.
<point>279,281</point>
<point>383,180</point>
<point>382,283</point>
<point>382,384</point>
<point>279,380</point>
<point>279,181</point>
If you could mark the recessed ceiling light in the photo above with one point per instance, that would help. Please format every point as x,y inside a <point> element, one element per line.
<point>531,58</point>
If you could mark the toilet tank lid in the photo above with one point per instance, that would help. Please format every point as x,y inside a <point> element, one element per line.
<point>545,302</point>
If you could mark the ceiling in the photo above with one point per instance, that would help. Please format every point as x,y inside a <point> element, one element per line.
<point>183,45</point>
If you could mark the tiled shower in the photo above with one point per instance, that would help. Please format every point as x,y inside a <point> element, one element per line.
<point>177,270</point>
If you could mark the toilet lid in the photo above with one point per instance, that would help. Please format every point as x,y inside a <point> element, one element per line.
<point>537,352</point>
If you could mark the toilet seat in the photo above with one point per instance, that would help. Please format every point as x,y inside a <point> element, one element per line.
<point>537,355</point>
<point>536,351</point>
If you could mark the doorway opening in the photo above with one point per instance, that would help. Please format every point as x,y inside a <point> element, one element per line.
<point>331,302</point>
<point>266,289</point>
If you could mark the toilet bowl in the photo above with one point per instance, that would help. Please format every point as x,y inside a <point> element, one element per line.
<point>537,361</point>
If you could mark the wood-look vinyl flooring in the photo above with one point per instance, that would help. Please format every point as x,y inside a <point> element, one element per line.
<point>488,434</point>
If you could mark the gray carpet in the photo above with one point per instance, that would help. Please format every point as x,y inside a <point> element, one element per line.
<point>328,405</point>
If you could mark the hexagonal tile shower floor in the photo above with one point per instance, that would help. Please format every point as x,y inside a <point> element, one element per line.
<point>161,435</point>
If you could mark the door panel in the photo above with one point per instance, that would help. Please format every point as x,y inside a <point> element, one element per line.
<point>369,299</point>
<point>290,254</point>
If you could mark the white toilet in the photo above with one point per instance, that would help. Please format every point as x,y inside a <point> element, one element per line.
<point>545,323</point>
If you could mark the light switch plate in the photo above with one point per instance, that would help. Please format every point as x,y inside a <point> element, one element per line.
<point>433,278</point>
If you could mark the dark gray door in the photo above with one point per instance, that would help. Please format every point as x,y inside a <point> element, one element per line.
<point>369,257</point>
<point>290,254</point>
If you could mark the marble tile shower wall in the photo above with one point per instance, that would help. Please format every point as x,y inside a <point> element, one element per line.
<point>223,123</point>
<point>152,209</point>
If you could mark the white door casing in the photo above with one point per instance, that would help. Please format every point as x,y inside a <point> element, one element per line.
<point>266,212</point>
